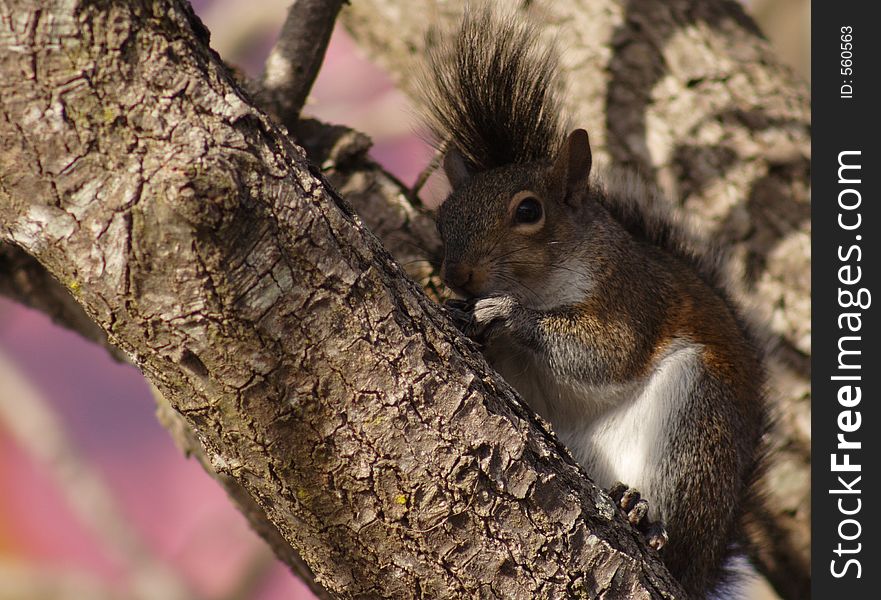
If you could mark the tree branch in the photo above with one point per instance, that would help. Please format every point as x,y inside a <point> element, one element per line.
<point>294,62</point>
<point>185,439</point>
<point>383,201</point>
<point>196,235</point>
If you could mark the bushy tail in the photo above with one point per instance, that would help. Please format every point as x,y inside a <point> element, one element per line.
<point>491,91</point>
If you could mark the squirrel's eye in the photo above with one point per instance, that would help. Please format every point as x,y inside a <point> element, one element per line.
<point>528,211</point>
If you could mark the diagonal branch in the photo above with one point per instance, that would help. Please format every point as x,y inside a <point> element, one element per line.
<point>199,239</point>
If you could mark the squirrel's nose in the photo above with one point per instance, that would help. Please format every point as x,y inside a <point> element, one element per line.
<point>456,275</point>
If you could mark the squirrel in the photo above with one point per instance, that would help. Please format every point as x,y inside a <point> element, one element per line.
<point>591,298</point>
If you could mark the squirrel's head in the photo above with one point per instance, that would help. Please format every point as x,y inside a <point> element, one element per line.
<point>513,229</point>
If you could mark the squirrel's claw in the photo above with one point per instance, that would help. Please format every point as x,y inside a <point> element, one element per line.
<point>636,509</point>
<point>655,535</point>
<point>460,311</point>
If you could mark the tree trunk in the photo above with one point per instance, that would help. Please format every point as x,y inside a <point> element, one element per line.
<point>688,93</point>
<point>375,440</point>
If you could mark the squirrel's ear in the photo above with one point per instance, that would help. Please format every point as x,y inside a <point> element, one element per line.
<point>456,168</point>
<point>572,167</point>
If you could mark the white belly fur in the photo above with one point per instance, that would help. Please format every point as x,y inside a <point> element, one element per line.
<point>617,432</point>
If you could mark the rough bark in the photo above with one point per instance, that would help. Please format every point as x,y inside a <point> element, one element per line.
<point>406,231</point>
<point>185,439</point>
<point>195,234</point>
<point>688,93</point>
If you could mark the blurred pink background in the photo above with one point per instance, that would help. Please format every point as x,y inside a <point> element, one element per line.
<point>151,524</point>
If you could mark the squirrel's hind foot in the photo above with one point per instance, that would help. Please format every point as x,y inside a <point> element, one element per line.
<point>636,509</point>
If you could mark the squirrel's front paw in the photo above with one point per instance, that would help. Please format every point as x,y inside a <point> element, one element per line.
<point>636,508</point>
<point>478,318</point>
<point>494,308</point>
<point>489,314</point>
